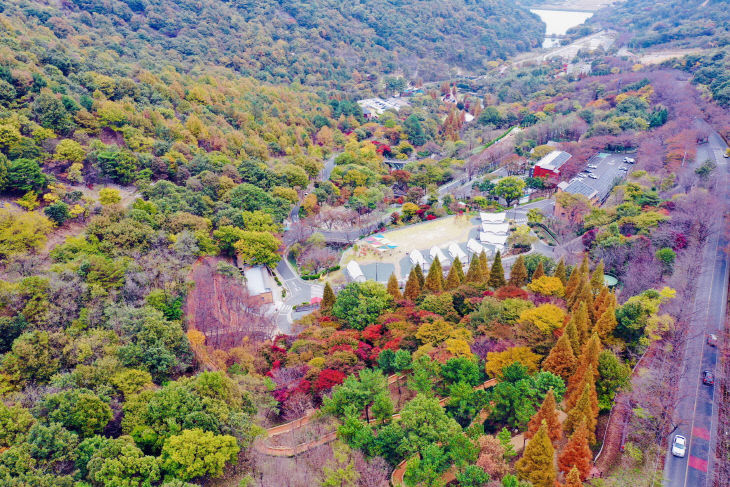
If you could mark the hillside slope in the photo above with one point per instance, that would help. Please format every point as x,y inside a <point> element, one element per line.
<point>323,42</point>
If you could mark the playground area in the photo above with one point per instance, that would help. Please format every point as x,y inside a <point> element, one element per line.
<point>381,254</point>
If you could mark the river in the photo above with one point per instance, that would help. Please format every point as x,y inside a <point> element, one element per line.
<point>558,22</point>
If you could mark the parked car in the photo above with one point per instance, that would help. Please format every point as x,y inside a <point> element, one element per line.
<point>623,168</point>
<point>679,446</point>
<point>629,160</point>
<point>592,176</point>
<point>592,166</point>
<point>708,378</point>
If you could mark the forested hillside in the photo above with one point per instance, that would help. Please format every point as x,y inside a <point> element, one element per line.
<point>693,23</point>
<point>324,42</point>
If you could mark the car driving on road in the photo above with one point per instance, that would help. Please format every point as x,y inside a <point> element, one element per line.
<point>708,378</point>
<point>679,446</point>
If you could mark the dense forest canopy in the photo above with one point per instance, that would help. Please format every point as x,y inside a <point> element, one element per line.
<point>693,23</point>
<point>324,42</point>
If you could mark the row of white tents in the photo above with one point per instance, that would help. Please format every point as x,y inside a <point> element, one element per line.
<point>454,251</point>
<point>495,229</point>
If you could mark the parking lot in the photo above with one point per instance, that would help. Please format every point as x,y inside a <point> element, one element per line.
<point>608,168</point>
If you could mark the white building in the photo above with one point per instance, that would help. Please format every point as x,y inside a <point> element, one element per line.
<point>493,217</point>
<point>475,247</point>
<point>354,271</point>
<point>437,252</point>
<point>456,252</point>
<point>496,228</point>
<point>417,259</point>
<point>376,106</point>
<point>497,241</point>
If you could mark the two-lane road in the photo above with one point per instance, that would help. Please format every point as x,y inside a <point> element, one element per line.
<point>696,412</point>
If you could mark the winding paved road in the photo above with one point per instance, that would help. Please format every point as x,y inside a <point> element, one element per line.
<point>696,412</point>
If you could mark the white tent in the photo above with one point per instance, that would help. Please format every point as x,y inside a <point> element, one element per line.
<point>493,217</point>
<point>437,252</point>
<point>417,258</point>
<point>496,228</point>
<point>498,241</point>
<point>354,271</point>
<point>455,251</point>
<point>474,247</point>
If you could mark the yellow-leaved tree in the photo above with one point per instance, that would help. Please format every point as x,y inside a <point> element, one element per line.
<point>546,317</point>
<point>496,361</point>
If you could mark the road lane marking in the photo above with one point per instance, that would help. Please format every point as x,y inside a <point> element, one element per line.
<point>698,463</point>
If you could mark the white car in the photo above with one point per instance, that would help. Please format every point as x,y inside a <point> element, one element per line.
<point>592,176</point>
<point>679,446</point>
<point>629,160</point>
<point>592,166</point>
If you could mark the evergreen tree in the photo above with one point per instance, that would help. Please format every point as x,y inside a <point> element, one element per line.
<point>549,414</point>
<point>435,277</point>
<point>560,272</point>
<point>586,372</point>
<point>580,413</point>
<point>328,300</point>
<point>484,264</point>
<point>413,286</point>
<point>577,454</point>
<point>588,379</point>
<point>420,276</point>
<point>561,359</point>
<point>452,279</point>
<point>536,464</point>
<point>459,269</point>
<point>582,323</point>
<point>585,266</point>
<point>572,332</point>
<point>599,304</point>
<point>606,323</point>
<point>572,285</point>
<point>597,278</point>
<point>474,273</point>
<point>573,479</point>
<point>584,295</point>
<point>539,271</point>
<point>393,288</point>
<point>518,273</point>
<point>496,273</point>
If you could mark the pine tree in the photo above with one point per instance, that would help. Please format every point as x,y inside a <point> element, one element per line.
<point>496,273</point>
<point>518,273</point>
<point>584,295</point>
<point>606,323</point>
<point>577,453</point>
<point>413,286</point>
<point>561,359</point>
<point>474,273</point>
<point>549,414</point>
<point>573,479</point>
<point>572,285</point>
<point>484,264</point>
<point>572,332</point>
<point>587,364</point>
<point>599,304</point>
<point>459,268</point>
<point>435,277</point>
<point>420,276</point>
<point>539,271</point>
<point>584,266</point>
<point>536,464</point>
<point>328,300</point>
<point>582,322</point>
<point>560,272</point>
<point>589,380</point>
<point>452,279</point>
<point>597,277</point>
<point>582,412</point>
<point>393,288</point>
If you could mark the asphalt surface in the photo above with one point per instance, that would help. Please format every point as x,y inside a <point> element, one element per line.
<point>608,170</point>
<point>696,412</point>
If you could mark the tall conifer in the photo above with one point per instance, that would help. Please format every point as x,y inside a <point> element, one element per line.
<point>518,273</point>
<point>420,276</point>
<point>474,273</point>
<point>561,359</point>
<point>435,277</point>
<point>571,287</point>
<point>496,273</point>
<point>536,464</point>
<point>577,453</point>
<point>597,277</point>
<point>560,272</point>
<point>484,264</point>
<point>548,413</point>
<point>452,279</point>
<point>539,271</point>
<point>328,299</point>
<point>393,288</point>
<point>582,411</point>
<point>459,268</point>
<point>413,286</point>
